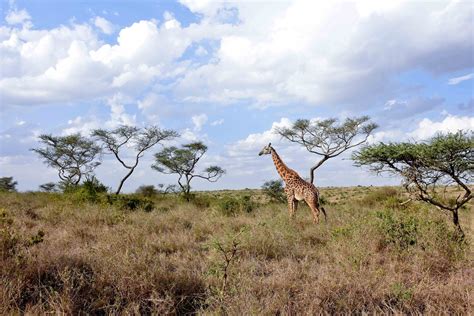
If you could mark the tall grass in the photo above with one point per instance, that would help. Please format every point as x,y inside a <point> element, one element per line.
<point>65,254</point>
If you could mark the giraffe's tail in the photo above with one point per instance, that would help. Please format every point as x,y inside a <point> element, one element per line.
<point>324,212</point>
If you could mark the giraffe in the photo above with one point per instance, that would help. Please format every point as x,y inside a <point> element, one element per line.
<point>296,188</point>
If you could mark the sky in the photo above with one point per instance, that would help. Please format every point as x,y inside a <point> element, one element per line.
<point>229,73</point>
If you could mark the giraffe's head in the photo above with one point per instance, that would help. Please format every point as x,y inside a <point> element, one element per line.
<point>266,150</point>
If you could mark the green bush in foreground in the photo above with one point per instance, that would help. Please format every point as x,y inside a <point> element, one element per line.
<point>230,206</point>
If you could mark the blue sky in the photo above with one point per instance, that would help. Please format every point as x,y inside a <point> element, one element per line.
<point>229,73</point>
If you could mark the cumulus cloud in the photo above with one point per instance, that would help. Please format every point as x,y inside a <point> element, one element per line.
<point>118,116</point>
<point>452,123</point>
<point>316,52</point>
<point>302,51</point>
<point>199,121</point>
<point>104,25</point>
<point>49,66</point>
<point>15,17</point>
<point>255,142</point>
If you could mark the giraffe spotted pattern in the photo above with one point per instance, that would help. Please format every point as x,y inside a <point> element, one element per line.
<point>296,188</point>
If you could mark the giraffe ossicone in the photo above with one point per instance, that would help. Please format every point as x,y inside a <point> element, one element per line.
<point>296,188</point>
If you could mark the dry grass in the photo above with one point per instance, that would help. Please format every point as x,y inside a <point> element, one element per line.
<point>64,256</point>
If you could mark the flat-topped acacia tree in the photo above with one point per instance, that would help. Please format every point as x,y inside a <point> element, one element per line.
<point>74,156</point>
<point>328,138</point>
<point>137,139</point>
<point>182,161</point>
<point>7,184</point>
<point>428,168</point>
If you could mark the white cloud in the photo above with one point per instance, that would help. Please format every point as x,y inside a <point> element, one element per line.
<point>320,52</point>
<point>428,128</point>
<point>48,66</point>
<point>118,116</point>
<point>15,17</point>
<point>81,125</point>
<point>189,136</point>
<point>104,25</point>
<point>217,122</point>
<point>255,142</point>
<point>279,52</point>
<point>456,80</point>
<point>199,121</point>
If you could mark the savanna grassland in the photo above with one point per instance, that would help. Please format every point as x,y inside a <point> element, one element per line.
<point>232,252</point>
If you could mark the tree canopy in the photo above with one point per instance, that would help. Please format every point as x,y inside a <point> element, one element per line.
<point>442,161</point>
<point>182,161</point>
<point>139,139</point>
<point>7,184</point>
<point>74,156</point>
<point>328,138</point>
<point>48,187</point>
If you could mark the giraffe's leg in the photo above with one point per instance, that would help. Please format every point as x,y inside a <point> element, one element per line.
<point>295,205</point>
<point>291,206</point>
<point>313,205</point>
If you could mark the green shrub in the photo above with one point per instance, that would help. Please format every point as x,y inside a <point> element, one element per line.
<point>246,204</point>
<point>274,190</point>
<point>201,202</point>
<point>91,190</point>
<point>9,243</point>
<point>147,190</point>
<point>131,203</point>
<point>401,230</point>
<point>229,206</point>
<point>323,200</point>
<point>379,196</point>
<point>401,293</point>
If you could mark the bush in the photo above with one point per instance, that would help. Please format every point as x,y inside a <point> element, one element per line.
<point>131,203</point>
<point>274,190</point>
<point>147,190</point>
<point>379,196</point>
<point>229,206</point>
<point>401,230</point>
<point>89,191</point>
<point>201,202</point>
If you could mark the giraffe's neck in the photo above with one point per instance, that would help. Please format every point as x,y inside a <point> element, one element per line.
<point>280,166</point>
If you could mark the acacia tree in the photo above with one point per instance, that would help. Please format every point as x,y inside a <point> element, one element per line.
<point>48,187</point>
<point>428,168</point>
<point>328,138</point>
<point>139,139</point>
<point>7,184</point>
<point>74,156</point>
<point>182,161</point>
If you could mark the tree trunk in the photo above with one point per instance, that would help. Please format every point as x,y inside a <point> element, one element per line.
<point>123,180</point>
<point>311,171</point>
<point>457,224</point>
<point>188,197</point>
